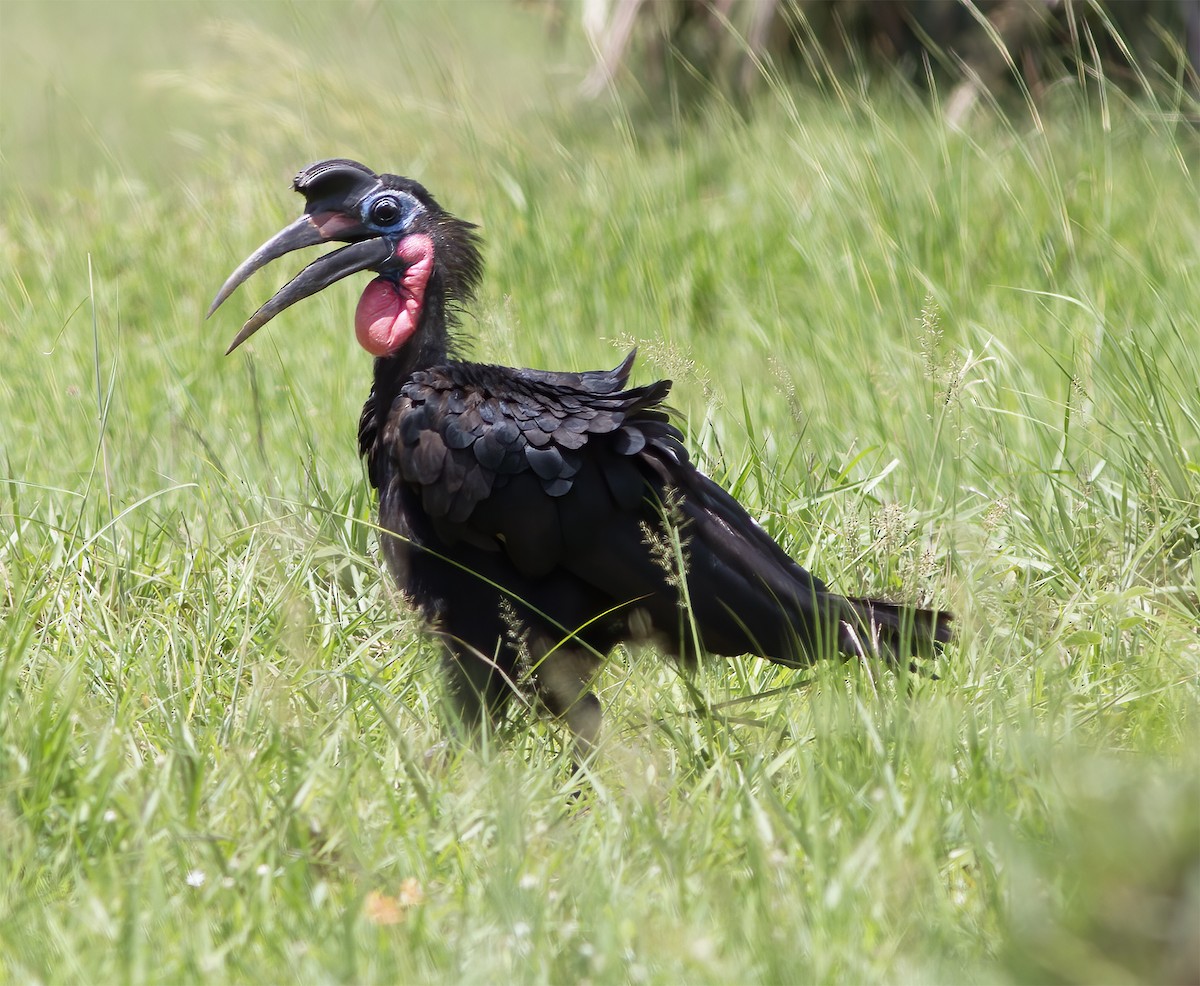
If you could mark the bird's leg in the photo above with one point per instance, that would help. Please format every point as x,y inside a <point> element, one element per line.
<point>479,687</point>
<point>563,677</point>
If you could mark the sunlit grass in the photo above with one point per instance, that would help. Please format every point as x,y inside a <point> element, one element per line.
<point>954,367</point>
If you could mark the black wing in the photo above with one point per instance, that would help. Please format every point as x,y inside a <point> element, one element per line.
<point>535,464</point>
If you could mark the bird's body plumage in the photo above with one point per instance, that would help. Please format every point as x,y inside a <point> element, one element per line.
<point>538,519</point>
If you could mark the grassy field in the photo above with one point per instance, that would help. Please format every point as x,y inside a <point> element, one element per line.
<point>955,367</point>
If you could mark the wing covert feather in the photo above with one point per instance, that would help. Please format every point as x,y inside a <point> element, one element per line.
<point>480,442</point>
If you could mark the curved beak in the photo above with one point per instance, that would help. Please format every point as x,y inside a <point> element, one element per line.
<point>308,230</point>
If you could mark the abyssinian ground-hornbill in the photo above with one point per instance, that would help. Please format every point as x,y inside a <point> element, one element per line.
<point>536,518</point>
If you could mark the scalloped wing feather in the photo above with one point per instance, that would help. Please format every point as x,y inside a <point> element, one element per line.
<point>481,442</point>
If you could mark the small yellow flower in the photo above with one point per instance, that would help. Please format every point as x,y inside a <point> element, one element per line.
<point>382,909</point>
<point>385,909</point>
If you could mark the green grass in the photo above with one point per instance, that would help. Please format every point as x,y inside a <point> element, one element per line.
<point>956,367</point>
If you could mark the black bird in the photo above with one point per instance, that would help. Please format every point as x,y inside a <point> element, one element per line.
<point>537,519</point>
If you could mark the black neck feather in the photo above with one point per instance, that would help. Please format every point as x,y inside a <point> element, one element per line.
<point>457,269</point>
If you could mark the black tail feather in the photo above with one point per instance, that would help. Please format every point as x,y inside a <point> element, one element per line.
<point>902,630</point>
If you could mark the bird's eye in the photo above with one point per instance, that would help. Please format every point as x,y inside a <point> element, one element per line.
<point>385,212</point>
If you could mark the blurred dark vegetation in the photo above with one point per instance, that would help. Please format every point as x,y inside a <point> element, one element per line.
<point>975,49</point>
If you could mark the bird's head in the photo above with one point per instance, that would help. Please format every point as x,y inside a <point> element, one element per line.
<point>425,258</point>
